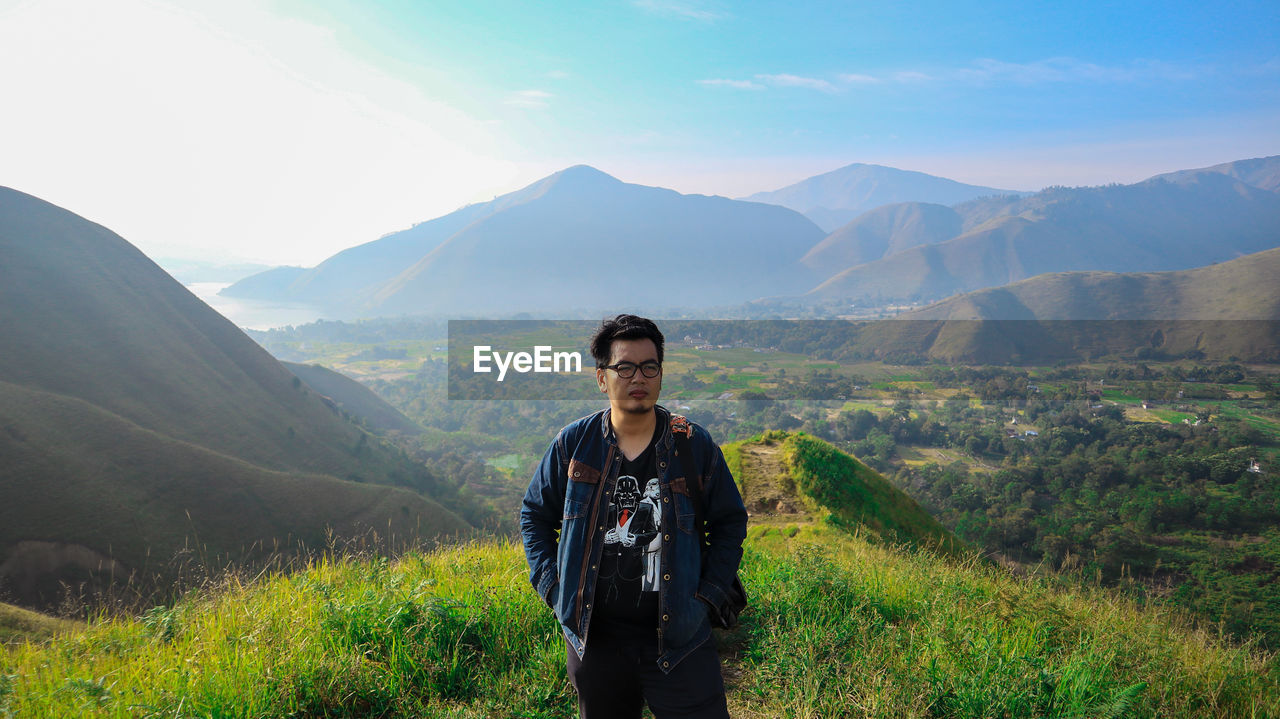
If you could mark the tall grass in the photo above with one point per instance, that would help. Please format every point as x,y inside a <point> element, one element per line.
<point>838,627</point>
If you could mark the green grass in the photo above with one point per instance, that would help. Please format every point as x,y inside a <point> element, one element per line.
<point>838,626</point>
<point>18,624</point>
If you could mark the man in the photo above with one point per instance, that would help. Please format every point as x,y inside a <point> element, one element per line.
<point>636,633</point>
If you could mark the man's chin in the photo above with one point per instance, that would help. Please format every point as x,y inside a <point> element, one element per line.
<point>636,407</point>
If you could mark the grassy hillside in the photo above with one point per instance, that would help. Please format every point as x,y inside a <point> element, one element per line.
<point>838,627</point>
<point>354,399</point>
<point>136,423</point>
<point>795,477</point>
<point>18,625</point>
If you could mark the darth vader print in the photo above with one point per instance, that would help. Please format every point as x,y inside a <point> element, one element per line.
<point>633,543</point>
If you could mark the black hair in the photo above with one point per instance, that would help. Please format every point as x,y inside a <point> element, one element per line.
<point>623,327</point>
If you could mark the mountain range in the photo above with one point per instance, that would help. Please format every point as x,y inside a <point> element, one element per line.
<point>136,423</point>
<point>577,238</point>
<point>518,252</point>
<point>834,198</point>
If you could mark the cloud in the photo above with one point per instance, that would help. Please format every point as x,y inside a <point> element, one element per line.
<point>857,79</point>
<point>785,80</point>
<point>988,71</point>
<point>736,84</point>
<point>529,98</point>
<point>684,9</point>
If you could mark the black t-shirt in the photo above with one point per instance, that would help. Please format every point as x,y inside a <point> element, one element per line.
<point>630,565</point>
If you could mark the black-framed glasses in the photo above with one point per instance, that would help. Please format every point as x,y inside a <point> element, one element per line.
<point>627,370</point>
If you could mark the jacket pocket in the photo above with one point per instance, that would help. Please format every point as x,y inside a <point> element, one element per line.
<point>582,472</point>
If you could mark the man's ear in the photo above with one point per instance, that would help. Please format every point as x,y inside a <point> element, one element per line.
<point>600,380</point>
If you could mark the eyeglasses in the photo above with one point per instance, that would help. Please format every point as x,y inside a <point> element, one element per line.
<point>627,370</point>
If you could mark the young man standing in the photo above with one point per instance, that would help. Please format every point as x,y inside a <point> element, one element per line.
<point>612,540</point>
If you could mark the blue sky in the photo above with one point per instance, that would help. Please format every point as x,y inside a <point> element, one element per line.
<point>284,131</point>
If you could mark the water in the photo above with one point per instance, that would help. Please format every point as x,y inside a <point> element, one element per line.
<point>254,314</point>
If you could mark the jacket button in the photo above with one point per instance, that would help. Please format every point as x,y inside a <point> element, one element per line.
<point>666,617</point>
<point>666,664</point>
<point>666,537</point>
<point>577,474</point>
<point>593,566</point>
<point>666,577</point>
<point>666,499</point>
<point>662,464</point>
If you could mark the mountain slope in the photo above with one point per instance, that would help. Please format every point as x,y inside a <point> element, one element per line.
<point>354,398</point>
<point>837,197</point>
<point>1263,172</point>
<point>115,376</point>
<point>1156,225</point>
<point>578,238</point>
<point>881,232</point>
<point>795,476</point>
<point>1241,289</point>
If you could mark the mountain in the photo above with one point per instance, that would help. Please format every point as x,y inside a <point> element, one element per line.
<point>1228,311</point>
<point>881,232</point>
<point>1263,172</point>
<point>1156,225</point>
<point>1241,289</point>
<point>578,238</point>
<point>354,399</point>
<point>837,197</point>
<point>136,421</point>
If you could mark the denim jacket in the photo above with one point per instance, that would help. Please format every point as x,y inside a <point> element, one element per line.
<point>563,521</point>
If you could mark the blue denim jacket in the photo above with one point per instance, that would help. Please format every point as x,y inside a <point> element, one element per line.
<point>563,516</point>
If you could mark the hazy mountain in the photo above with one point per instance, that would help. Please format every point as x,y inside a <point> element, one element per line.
<point>881,232</point>
<point>1156,225</point>
<point>1263,172</point>
<point>835,198</point>
<point>1245,288</point>
<point>578,238</point>
<point>1224,311</point>
<point>133,418</point>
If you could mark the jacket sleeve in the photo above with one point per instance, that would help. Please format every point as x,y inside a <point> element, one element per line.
<point>540,515</point>
<point>726,519</point>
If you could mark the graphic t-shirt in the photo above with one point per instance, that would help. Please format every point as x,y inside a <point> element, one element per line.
<point>630,565</point>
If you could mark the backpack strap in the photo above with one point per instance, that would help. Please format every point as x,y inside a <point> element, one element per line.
<point>683,433</point>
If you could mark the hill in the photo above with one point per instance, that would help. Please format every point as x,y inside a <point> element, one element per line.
<point>562,243</point>
<point>137,424</point>
<point>882,232</point>
<point>837,626</point>
<point>354,399</point>
<point>1263,172</point>
<point>798,477</point>
<point>1240,289</point>
<point>835,198</point>
<point>1156,225</point>
<point>1225,311</point>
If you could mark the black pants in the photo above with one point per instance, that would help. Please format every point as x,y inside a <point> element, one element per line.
<point>617,677</point>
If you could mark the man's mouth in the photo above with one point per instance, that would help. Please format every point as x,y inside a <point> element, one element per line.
<point>639,393</point>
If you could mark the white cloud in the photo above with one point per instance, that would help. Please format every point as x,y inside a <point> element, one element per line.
<point>234,131</point>
<point>737,84</point>
<point>529,98</point>
<point>988,71</point>
<point>858,79</point>
<point>785,80</point>
<point>685,9</point>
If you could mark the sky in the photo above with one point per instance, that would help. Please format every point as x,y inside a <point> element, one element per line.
<point>282,131</point>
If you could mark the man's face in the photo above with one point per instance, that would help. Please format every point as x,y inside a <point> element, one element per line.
<point>636,394</point>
